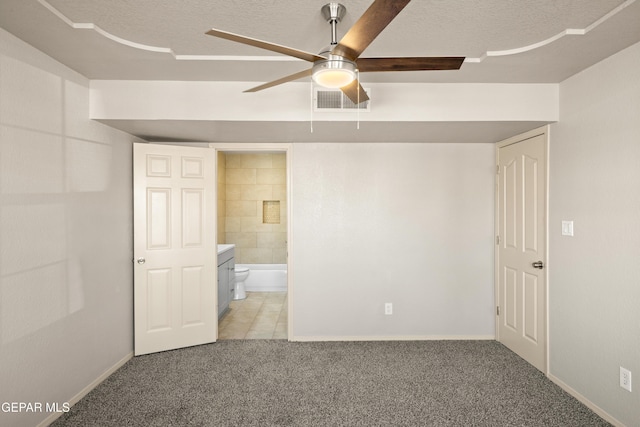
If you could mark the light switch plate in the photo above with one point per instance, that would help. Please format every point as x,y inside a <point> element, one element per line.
<point>567,228</point>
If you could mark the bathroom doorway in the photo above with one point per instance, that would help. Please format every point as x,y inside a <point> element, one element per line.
<point>252,215</point>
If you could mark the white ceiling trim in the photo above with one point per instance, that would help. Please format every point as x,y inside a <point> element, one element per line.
<point>566,32</point>
<point>94,27</point>
<point>167,50</point>
<point>158,49</point>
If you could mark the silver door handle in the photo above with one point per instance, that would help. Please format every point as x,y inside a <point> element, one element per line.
<point>538,264</point>
<point>141,261</point>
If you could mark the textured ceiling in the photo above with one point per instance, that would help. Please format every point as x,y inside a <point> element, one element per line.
<point>505,41</point>
<point>451,27</point>
<point>100,47</point>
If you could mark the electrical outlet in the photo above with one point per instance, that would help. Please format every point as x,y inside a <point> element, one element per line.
<point>625,378</point>
<point>388,308</point>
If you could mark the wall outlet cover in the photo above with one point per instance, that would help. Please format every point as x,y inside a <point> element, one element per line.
<point>388,308</point>
<point>625,378</point>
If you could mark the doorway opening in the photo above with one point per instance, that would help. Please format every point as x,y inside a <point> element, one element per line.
<point>253,216</point>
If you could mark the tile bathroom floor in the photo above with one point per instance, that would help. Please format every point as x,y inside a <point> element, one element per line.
<point>262,315</point>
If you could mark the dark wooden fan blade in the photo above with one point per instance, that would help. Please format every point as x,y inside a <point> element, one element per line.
<point>352,89</point>
<point>289,78</point>
<point>311,57</point>
<point>410,63</point>
<point>366,29</point>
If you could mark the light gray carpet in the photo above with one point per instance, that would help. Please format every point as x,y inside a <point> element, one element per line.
<point>277,383</point>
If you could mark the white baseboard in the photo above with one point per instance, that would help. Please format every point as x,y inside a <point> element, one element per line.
<point>393,338</point>
<point>589,404</point>
<point>75,399</point>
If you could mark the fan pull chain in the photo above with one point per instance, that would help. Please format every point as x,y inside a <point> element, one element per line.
<point>311,105</point>
<point>358,106</point>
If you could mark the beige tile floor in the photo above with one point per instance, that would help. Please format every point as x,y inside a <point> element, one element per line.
<point>262,315</point>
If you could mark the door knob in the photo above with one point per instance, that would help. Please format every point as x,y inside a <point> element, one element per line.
<point>538,264</point>
<point>141,261</point>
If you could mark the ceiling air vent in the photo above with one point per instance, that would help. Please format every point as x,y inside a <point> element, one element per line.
<point>334,100</point>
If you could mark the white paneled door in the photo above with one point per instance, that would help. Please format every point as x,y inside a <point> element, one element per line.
<point>522,248</point>
<point>174,247</point>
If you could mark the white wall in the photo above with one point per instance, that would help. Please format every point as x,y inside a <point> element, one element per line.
<point>66,235</point>
<point>594,277</point>
<point>421,102</point>
<point>410,224</point>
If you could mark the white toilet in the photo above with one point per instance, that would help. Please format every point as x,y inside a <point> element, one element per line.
<point>241,275</point>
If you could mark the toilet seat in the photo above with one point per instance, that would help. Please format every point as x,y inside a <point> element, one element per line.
<point>241,269</point>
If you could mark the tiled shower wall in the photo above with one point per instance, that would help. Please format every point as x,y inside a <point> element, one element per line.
<point>251,179</point>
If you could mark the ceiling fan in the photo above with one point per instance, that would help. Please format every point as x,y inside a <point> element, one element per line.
<point>337,66</point>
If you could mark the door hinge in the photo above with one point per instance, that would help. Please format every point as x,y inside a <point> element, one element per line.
<point>497,169</point>
<point>497,240</point>
<point>497,310</point>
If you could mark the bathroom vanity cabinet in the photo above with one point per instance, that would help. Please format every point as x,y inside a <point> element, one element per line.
<point>226,277</point>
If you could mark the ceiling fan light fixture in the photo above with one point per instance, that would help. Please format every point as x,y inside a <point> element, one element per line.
<point>333,73</point>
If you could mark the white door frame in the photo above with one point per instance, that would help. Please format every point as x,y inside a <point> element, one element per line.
<point>287,148</point>
<point>544,131</point>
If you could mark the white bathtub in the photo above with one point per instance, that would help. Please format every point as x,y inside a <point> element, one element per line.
<point>266,277</point>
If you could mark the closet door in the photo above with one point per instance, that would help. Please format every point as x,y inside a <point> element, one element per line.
<point>522,249</point>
